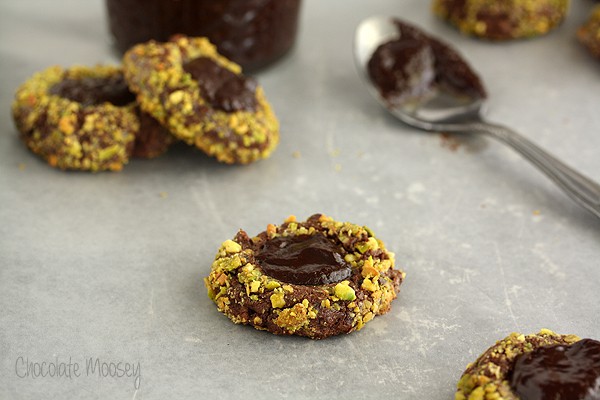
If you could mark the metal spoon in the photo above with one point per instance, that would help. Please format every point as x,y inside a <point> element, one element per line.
<point>445,112</point>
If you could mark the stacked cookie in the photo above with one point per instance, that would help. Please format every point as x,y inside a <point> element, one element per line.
<point>97,118</point>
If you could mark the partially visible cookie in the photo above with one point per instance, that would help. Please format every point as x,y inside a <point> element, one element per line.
<point>502,19</point>
<point>589,33</point>
<point>539,366</point>
<point>84,118</point>
<point>203,98</point>
<point>316,278</point>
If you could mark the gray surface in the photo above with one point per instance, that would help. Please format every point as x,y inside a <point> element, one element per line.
<point>103,266</point>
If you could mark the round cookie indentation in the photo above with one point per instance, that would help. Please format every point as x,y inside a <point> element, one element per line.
<point>223,88</point>
<point>245,292</point>
<point>303,260</point>
<point>94,90</point>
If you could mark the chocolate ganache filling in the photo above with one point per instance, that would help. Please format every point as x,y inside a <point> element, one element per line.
<point>91,91</point>
<point>415,64</point>
<point>559,372</point>
<point>222,88</point>
<point>402,69</point>
<point>304,260</point>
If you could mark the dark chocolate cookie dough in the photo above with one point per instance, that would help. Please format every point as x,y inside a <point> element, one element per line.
<point>316,278</point>
<point>540,366</point>
<point>502,19</point>
<point>85,118</point>
<point>589,32</point>
<point>203,98</point>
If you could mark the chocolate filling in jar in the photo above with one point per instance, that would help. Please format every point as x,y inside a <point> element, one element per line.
<point>253,33</point>
<point>304,260</point>
<point>559,372</point>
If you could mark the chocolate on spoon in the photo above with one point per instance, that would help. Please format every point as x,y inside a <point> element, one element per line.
<point>448,101</point>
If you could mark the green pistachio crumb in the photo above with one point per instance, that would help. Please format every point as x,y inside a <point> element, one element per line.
<point>344,292</point>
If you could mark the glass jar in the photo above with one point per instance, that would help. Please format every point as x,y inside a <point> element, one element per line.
<point>253,33</point>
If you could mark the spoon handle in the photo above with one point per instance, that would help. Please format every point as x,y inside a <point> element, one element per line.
<point>580,188</point>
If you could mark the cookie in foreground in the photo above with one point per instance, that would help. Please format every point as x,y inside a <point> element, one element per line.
<point>502,19</point>
<point>316,278</point>
<point>539,366</point>
<point>85,118</point>
<point>203,98</point>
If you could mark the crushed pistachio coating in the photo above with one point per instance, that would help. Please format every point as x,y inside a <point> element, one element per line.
<point>67,134</point>
<point>488,377</point>
<point>589,32</point>
<point>167,92</point>
<point>245,294</point>
<point>502,20</point>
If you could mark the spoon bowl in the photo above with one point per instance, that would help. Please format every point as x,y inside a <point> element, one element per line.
<point>449,111</point>
<point>439,108</point>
